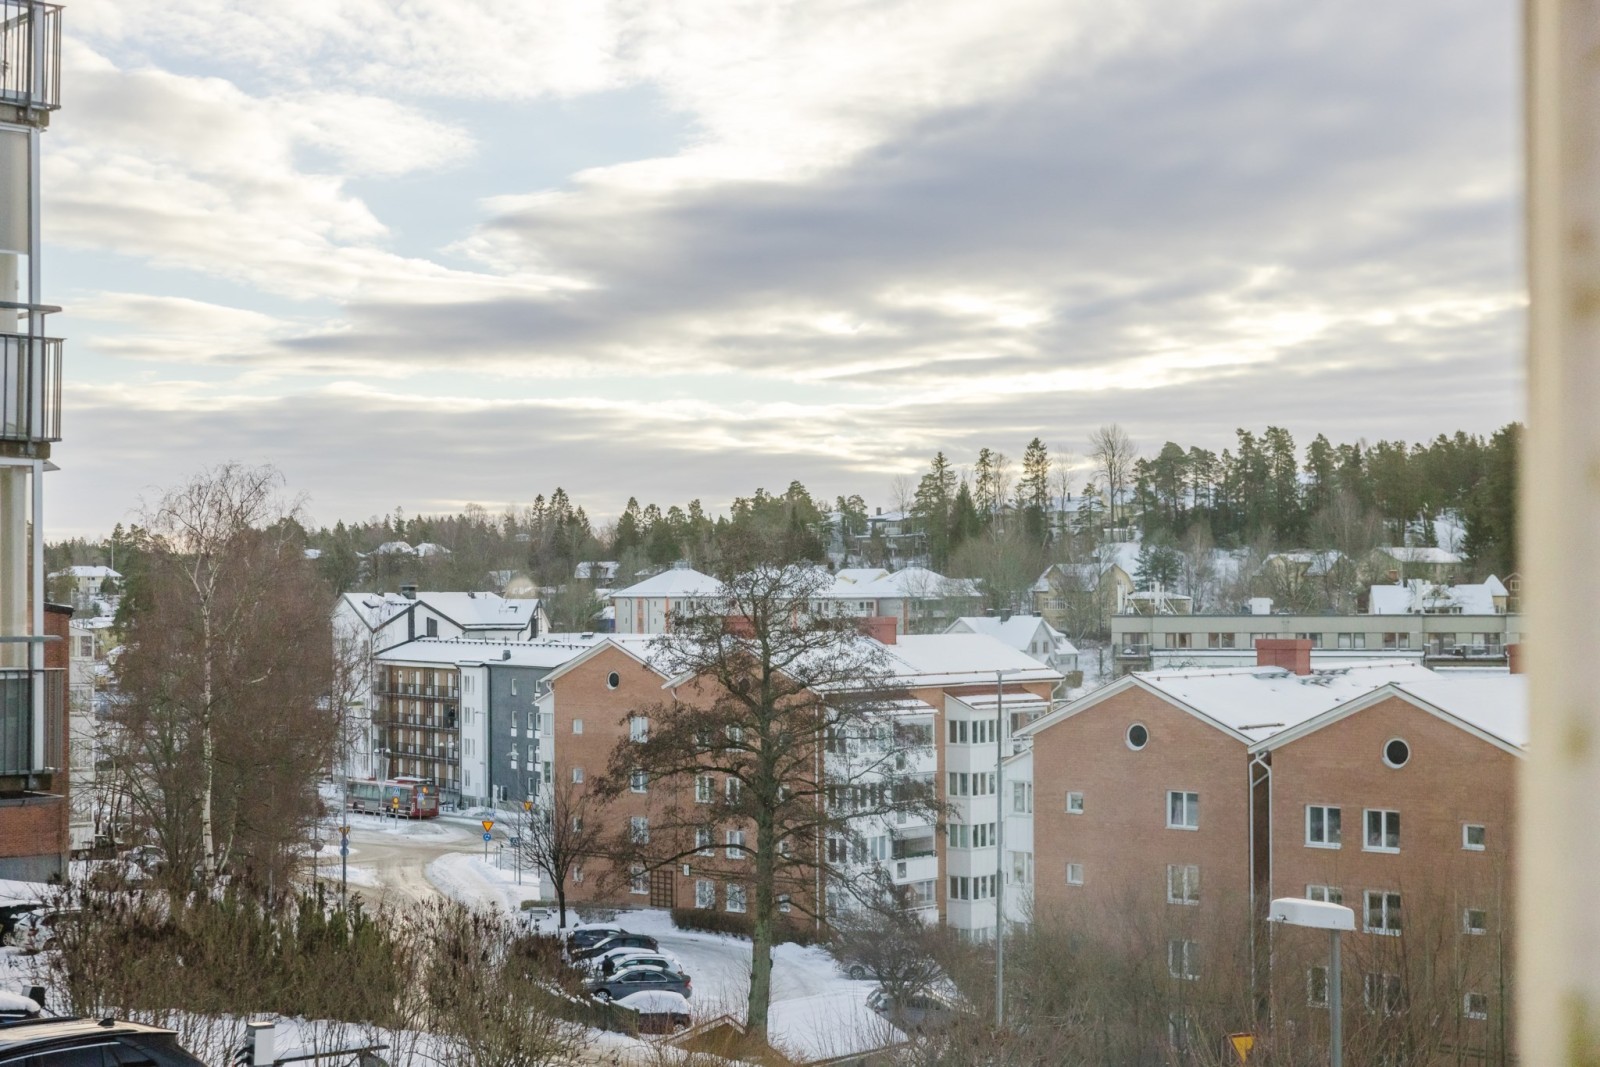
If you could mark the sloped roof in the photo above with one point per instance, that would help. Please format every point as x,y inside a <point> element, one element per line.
<point>958,658</point>
<point>908,583</point>
<point>673,582</point>
<point>481,611</point>
<point>545,653</point>
<point>1017,632</point>
<point>1419,554</point>
<point>1418,597</point>
<point>86,571</point>
<point>858,575</point>
<point>1492,704</point>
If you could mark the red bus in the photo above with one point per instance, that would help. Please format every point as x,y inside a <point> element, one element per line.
<point>410,798</point>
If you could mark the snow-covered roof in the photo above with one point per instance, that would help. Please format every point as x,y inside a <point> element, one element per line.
<point>889,516</point>
<point>1490,703</point>
<point>954,659</point>
<point>394,548</point>
<point>859,575</point>
<point>85,571</point>
<point>312,553</point>
<point>1018,632</point>
<point>1419,554</point>
<point>673,582</point>
<point>1418,597</point>
<point>908,583</point>
<point>548,652</point>
<point>482,611</point>
<point>606,569</point>
<point>1253,703</point>
<point>428,548</point>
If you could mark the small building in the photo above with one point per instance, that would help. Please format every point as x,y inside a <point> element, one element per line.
<point>1029,634</point>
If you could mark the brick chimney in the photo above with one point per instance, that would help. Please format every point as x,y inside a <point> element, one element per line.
<point>1292,653</point>
<point>880,628</point>
<point>1514,658</point>
<point>739,626</point>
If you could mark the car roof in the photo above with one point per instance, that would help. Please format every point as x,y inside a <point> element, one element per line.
<point>23,1033</point>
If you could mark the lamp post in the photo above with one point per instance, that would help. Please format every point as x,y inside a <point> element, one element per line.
<point>1320,915</point>
<point>1001,736</point>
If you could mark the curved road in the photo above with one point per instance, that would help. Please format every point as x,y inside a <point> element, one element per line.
<point>395,856</point>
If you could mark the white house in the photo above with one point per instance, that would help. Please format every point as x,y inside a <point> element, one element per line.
<point>1025,633</point>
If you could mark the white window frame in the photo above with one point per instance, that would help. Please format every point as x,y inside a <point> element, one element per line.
<point>638,728</point>
<point>705,894</point>
<point>1466,836</point>
<point>1074,803</point>
<point>577,776</point>
<point>733,844</point>
<point>1467,1011</point>
<point>1383,830</point>
<point>1074,873</point>
<point>639,829</point>
<point>705,789</point>
<point>1466,921</point>
<point>1389,982</point>
<point>638,881</point>
<point>638,781</point>
<point>1185,879</point>
<point>1190,804</point>
<point>738,901</point>
<point>1313,973</point>
<point>1183,959</point>
<point>731,787</point>
<point>1327,894</point>
<point>1390,925</point>
<point>1338,834</point>
<point>577,726</point>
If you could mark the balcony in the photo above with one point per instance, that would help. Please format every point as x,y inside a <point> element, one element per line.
<point>30,55</point>
<point>17,731</point>
<point>30,387</point>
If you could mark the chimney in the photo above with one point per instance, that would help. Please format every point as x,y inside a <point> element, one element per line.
<point>877,511</point>
<point>1005,614</point>
<point>409,592</point>
<point>1514,658</point>
<point>880,628</point>
<point>739,626</point>
<point>1292,653</point>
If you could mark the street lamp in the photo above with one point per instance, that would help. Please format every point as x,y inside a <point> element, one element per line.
<point>1320,915</point>
<point>1001,736</point>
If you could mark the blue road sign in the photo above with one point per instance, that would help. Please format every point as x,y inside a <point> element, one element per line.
<point>487,835</point>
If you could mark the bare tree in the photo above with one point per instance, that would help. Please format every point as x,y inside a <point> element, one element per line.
<point>1113,453</point>
<point>564,829</point>
<point>783,731</point>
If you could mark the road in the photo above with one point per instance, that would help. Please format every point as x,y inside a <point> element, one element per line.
<point>388,859</point>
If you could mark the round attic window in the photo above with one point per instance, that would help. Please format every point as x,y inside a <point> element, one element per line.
<point>1138,736</point>
<point>613,680</point>
<point>1396,752</point>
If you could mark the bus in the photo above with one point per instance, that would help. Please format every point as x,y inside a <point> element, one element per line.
<point>411,798</point>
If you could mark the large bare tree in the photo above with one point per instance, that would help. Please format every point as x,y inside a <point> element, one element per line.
<point>564,829</point>
<point>782,741</point>
<point>1113,453</point>
<point>226,692</point>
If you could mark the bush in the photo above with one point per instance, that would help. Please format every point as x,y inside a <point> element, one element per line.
<point>741,925</point>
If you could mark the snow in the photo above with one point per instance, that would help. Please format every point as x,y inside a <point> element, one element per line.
<point>674,582</point>
<point>1493,702</point>
<point>829,1024</point>
<point>13,893</point>
<point>477,883</point>
<point>1421,597</point>
<point>655,1001</point>
<point>1020,632</point>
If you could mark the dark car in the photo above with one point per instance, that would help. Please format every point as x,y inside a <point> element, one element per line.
<point>39,1042</point>
<point>635,979</point>
<point>623,940</point>
<point>590,934</point>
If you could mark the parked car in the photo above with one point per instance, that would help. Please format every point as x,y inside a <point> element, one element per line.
<point>635,979</point>
<point>618,958</point>
<point>622,940</point>
<point>36,929</point>
<point>48,1042</point>
<point>660,1011</point>
<point>919,1011</point>
<point>589,934</point>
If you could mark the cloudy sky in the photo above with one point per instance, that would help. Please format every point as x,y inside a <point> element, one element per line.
<point>423,253</point>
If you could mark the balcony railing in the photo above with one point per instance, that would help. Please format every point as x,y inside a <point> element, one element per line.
<point>30,387</point>
<point>17,729</point>
<point>30,54</point>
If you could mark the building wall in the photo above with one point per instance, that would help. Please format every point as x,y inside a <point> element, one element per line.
<point>1121,838</point>
<point>34,838</point>
<point>1452,778</point>
<point>514,726</point>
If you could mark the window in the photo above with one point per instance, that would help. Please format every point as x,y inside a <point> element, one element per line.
<point>1074,803</point>
<point>958,835</point>
<point>1138,736</point>
<point>923,892</point>
<point>1074,873</point>
<point>577,726</point>
<point>1472,837</point>
<point>1021,868</point>
<point>433,631</point>
<point>1396,752</point>
<point>702,840</point>
<point>959,786</point>
<point>705,790</point>
<point>639,781</point>
<point>705,893</point>
<point>577,776</point>
<point>1022,797</point>
<point>1183,810</point>
<point>1475,1005</point>
<point>1383,830</point>
<point>613,680</point>
<point>783,903</point>
<point>638,880</point>
<point>1183,960</point>
<point>1382,993</point>
<point>1328,894</point>
<point>1183,883</point>
<point>1322,826</point>
<point>1317,987</point>
<point>735,734</point>
<point>639,829</point>
<point>577,824</point>
<point>960,888</point>
<point>1475,921</point>
<point>1383,912</point>
<point>1396,640</point>
<point>731,788</point>
<point>733,844</point>
<point>735,896</point>
<point>638,728</point>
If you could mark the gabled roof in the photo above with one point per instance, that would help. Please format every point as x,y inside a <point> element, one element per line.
<point>635,646</point>
<point>1419,597</point>
<point>962,659</point>
<point>859,575</point>
<point>467,651</point>
<point>1250,704</point>
<point>86,571</point>
<point>908,583</point>
<point>673,582</point>
<point>1419,554</point>
<point>470,611</point>
<point>1489,705</point>
<point>1018,632</point>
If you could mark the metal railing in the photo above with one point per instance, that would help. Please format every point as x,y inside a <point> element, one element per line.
<point>30,54</point>
<point>16,720</point>
<point>30,387</point>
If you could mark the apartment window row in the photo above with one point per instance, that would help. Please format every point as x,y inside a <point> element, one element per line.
<point>963,835</point>
<point>979,888</point>
<point>972,731</point>
<point>1382,830</point>
<point>963,784</point>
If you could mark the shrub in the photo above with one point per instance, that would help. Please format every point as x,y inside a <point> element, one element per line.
<point>740,925</point>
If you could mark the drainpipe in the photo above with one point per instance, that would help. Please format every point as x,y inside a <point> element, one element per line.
<point>1258,763</point>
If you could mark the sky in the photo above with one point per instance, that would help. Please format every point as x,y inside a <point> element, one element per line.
<point>420,253</point>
